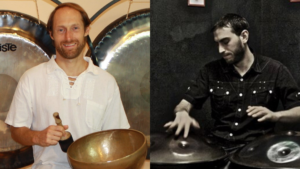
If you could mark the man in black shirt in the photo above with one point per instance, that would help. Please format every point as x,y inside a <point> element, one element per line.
<point>244,88</point>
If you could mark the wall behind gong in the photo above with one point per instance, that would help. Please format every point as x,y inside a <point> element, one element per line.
<point>181,43</point>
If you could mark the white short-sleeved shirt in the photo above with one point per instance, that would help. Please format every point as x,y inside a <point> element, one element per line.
<point>92,104</point>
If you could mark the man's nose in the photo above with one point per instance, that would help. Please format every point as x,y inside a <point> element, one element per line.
<point>221,49</point>
<point>68,35</point>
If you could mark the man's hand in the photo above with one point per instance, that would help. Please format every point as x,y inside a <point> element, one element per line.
<point>182,120</point>
<point>262,113</point>
<point>50,136</point>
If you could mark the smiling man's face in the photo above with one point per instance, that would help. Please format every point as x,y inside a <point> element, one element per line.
<point>68,33</point>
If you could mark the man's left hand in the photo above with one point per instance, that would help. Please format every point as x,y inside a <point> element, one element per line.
<point>262,113</point>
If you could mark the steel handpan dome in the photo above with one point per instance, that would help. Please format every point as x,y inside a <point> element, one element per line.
<point>167,151</point>
<point>273,151</point>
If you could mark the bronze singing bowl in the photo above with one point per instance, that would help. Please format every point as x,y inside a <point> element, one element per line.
<point>111,149</point>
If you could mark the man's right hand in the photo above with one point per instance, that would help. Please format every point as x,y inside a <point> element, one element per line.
<point>49,136</point>
<point>182,120</point>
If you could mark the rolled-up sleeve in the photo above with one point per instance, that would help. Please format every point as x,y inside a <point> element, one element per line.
<point>198,91</point>
<point>289,91</point>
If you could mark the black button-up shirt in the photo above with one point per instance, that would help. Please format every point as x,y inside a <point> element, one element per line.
<point>266,82</point>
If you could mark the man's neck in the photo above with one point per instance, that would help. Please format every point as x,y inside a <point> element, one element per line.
<point>72,67</point>
<point>244,65</point>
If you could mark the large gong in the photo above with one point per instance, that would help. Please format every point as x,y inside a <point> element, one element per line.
<point>23,44</point>
<point>125,53</point>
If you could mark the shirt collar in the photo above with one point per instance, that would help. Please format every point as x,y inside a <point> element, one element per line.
<point>91,67</point>
<point>53,66</point>
<point>256,65</point>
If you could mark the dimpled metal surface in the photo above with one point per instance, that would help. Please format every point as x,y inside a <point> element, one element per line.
<point>168,150</point>
<point>271,151</point>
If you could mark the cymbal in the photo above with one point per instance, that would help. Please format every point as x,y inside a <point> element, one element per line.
<point>165,149</point>
<point>272,151</point>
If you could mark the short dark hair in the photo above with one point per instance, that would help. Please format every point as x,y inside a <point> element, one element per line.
<point>86,20</point>
<point>234,21</point>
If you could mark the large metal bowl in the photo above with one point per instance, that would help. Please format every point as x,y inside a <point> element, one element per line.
<point>111,149</point>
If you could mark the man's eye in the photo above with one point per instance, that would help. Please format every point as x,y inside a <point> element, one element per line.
<point>75,28</point>
<point>61,30</point>
<point>225,42</point>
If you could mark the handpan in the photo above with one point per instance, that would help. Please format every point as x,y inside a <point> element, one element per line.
<point>167,150</point>
<point>280,151</point>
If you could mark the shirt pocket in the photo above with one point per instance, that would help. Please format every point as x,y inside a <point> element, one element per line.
<point>94,115</point>
<point>261,97</point>
<point>220,97</point>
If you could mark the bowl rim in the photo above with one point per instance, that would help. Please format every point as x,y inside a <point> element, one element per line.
<point>145,142</point>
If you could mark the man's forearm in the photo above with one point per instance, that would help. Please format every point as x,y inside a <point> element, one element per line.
<point>183,106</point>
<point>23,135</point>
<point>289,116</point>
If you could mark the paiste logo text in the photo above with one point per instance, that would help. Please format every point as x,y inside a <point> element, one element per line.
<point>8,47</point>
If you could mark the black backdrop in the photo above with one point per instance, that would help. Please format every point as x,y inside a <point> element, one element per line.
<point>181,43</point>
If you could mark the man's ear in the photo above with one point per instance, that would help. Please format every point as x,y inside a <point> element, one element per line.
<point>87,31</point>
<point>51,35</point>
<point>244,36</point>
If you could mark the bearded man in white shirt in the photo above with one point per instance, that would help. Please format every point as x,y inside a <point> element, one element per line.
<point>87,97</point>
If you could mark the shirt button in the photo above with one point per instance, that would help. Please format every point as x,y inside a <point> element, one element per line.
<point>227,92</point>
<point>188,88</point>
<point>239,109</point>
<point>270,91</point>
<point>241,94</point>
<point>230,134</point>
<point>254,91</point>
<point>211,90</point>
<point>241,79</point>
<point>236,123</point>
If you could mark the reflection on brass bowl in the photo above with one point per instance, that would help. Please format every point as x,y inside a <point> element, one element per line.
<point>111,149</point>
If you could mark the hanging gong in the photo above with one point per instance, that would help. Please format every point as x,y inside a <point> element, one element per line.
<point>23,44</point>
<point>124,52</point>
<point>280,151</point>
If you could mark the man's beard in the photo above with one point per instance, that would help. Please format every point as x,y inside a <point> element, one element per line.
<point>238,55</point>
<point>67,54</point>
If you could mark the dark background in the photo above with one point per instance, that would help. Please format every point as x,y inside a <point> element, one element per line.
<point>181,43</point>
